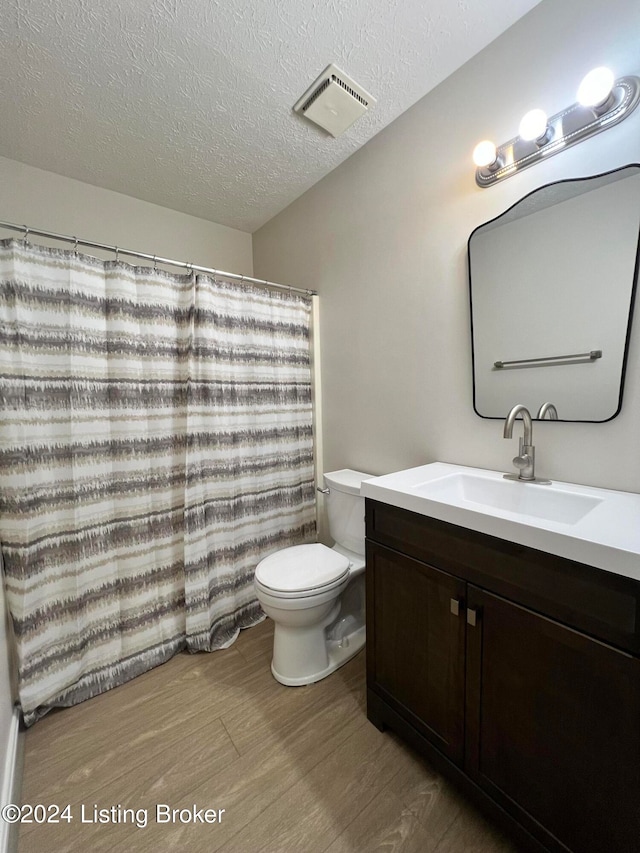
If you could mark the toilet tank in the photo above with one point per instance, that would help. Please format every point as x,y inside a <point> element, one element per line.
<point>345,508</point>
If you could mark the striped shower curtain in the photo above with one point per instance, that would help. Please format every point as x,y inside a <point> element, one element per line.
<point>249,455</point>
<point>155,443</point>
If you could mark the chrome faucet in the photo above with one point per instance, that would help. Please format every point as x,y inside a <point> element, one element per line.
<point>526,459</point>
<point>547,409</point>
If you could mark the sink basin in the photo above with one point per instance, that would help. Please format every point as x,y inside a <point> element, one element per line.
<point>526,499</point>
<point>598,527</point>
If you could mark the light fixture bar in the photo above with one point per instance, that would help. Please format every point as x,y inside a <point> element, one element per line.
<point>563,130</point>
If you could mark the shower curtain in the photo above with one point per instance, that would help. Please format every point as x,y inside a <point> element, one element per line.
<point>155,443</point>
<point>249,465</point>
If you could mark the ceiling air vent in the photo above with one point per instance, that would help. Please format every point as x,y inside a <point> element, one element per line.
<point>334,101</point>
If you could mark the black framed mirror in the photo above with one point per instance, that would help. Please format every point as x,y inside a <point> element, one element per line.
<point>552,282</point>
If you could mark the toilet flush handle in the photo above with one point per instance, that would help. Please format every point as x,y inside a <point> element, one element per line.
<point>322,491</point>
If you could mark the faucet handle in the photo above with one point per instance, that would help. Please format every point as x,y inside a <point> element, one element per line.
<point>525,462</point>
<point>522,461</point>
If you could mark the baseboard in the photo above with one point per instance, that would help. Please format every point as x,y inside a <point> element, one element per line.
<point>11,789</point>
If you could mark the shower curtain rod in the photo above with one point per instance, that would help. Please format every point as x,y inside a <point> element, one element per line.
<point>155,258</point>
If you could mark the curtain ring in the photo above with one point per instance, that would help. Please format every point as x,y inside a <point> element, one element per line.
<point>26,233</point>
<point>117,254</point>
<point>155,262</point>
<point>75,246</point>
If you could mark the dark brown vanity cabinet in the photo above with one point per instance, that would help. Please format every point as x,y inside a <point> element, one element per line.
<point>516,672</point>
<point>418,656</point>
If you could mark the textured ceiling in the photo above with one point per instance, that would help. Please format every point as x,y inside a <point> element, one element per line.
<point>188,103</point>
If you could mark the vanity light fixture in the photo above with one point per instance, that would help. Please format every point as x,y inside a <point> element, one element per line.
<point>596,88</point>
<point>535,128</point>
<point>484,154</point>
<point>602,101</point>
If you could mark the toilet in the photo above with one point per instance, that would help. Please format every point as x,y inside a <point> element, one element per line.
<point>315,594</point>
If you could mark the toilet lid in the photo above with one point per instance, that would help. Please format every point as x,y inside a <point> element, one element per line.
<point>302,567</point>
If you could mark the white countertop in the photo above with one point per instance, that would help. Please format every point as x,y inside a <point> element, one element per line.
<point>607,536</point>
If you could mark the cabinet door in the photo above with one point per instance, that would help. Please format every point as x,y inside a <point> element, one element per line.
<point>553,726</point>
<point>415,644</point>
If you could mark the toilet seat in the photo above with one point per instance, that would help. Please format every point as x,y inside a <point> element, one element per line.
<point>302,570</point>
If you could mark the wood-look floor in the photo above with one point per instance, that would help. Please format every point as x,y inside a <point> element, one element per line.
<point>295,769</point>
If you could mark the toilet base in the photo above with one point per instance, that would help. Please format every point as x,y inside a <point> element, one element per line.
<point>338,653</point>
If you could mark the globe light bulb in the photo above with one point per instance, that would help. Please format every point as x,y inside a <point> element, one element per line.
<point>484,154</point>
<point>533,125</point>
<point>596,87</point>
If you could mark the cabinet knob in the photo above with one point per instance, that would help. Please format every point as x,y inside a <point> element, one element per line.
<point>455,606</point>
<point>472,616</point>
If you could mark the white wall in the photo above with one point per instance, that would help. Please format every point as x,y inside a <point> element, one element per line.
<point>383,239</point>
<point>51,202</point>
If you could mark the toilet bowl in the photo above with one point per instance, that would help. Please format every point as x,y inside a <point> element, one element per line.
<point>315,594</point>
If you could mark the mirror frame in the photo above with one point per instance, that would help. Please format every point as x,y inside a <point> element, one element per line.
<point>631,301</point>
